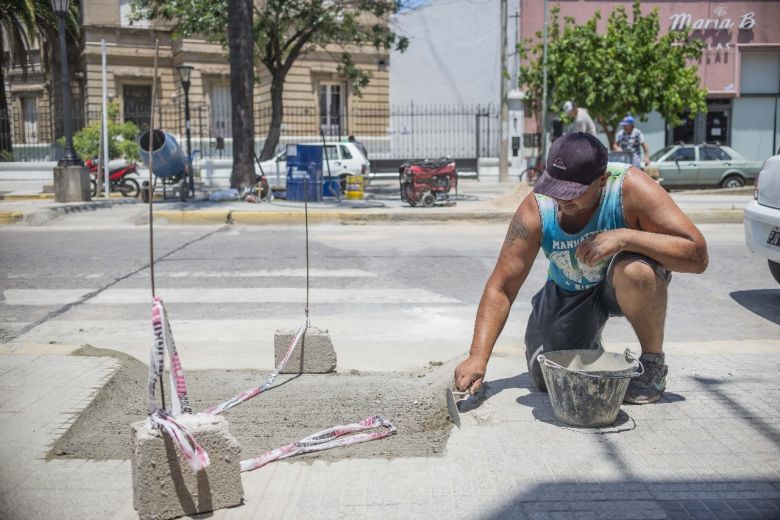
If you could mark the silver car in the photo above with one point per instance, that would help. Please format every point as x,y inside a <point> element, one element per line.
<point>702,165</point>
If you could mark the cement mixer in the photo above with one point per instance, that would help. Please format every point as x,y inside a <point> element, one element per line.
<point>169,163</point>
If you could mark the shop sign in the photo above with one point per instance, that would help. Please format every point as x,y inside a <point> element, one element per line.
<point>680,21</point>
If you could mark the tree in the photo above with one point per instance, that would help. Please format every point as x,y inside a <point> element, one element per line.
<point>22,22</point>
<point>242,92</point>
<point>628,69</point>
<point>285,30</point>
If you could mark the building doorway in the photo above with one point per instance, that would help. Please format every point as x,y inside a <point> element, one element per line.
<point>716,130</point>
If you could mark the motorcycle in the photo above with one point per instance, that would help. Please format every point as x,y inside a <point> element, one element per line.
<point>118,172</point>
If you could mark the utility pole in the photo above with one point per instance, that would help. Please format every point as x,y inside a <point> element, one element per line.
<point>503,159</point>
<point>544,87</point>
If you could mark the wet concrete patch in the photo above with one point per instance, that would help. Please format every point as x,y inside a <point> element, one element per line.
<point>294,408</point>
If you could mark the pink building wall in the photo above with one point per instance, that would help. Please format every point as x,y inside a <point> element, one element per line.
<point>726,28</point>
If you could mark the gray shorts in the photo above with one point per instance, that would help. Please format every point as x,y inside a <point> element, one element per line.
<point>563,320</point>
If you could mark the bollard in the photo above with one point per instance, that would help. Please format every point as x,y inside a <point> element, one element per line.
<point>165,487</point>
<point>314,354</point>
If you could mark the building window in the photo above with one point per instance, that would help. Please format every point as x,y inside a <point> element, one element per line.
<point>760,73</point>
<point>331,104</point>
<point>137,101</point>
<point>220,108</point>
<point>685,132</point>
<point>30,119</point>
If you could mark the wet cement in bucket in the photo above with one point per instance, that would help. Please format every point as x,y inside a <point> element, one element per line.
<point>294,408</point>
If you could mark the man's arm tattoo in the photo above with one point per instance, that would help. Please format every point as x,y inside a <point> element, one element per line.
<point>516,230</point>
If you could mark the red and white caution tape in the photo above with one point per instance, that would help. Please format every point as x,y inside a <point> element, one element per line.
<point>196,457</point>
<point>193,453</point>
<point>240,398</point>
<point>325,440</point>
<point>162,341</point>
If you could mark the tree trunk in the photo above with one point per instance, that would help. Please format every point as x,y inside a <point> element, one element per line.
<point>277,114</point>
<point>241,92</point>
<point>6,147</point>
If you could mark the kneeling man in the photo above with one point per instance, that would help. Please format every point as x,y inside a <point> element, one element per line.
<point>612,236</point>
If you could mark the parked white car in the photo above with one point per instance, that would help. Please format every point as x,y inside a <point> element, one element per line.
<point>344,159</point>
<point>762,216</point>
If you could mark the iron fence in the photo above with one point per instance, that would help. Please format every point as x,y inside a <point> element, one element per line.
<point>389,132</point>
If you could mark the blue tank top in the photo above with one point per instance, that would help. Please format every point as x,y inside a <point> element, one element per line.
<point>559,246</point>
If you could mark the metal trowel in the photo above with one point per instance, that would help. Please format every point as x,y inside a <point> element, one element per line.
<point>453,398</point>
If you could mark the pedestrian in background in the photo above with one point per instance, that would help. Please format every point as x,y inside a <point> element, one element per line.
<point>582,120</point>
<point>360,146</point>
<point>631,140</point>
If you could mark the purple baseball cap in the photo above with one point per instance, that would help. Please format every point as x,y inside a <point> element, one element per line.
<point>573,163</point>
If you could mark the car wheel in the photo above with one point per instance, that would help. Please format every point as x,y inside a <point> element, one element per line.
<point>774,268</point>
<point>732,181</point>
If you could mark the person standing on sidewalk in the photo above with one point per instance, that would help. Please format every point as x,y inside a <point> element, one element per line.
<point>612,236</point>
<point>631,140</point>
<point>582,120</point>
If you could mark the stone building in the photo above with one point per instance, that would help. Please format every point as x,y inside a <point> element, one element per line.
<point>316,94</point>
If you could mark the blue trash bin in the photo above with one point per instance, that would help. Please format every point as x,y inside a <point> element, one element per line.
<point>304,168</point>
<point>331,187</point>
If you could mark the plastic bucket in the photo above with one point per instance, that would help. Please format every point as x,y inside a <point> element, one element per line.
<point>586,387</point>
<point>355,187</point>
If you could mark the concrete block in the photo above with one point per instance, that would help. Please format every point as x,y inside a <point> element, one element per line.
<point>71,184</point>
<point>314,354</point>
<point>164,486</point>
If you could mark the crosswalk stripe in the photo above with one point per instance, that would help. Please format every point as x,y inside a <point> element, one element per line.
<point>263,273</point>
<point>225,295</point>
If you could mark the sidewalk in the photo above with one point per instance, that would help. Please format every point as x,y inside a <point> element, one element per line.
<point>484,200</point>
<point>709,449</point>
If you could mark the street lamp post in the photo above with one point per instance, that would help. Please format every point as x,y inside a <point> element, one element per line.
<point>60,8</point>
<point>184,74</point>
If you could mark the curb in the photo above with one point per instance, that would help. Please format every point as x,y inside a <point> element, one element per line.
<point>37,218</point>
<point>722,216</point>
<point>10,217</point>
<point>337,216</point>
<point>22,198</point>
<point>260,218</point>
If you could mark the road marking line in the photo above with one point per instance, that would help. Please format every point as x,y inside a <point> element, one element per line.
<point>264,273</point>
<point>237,295</point>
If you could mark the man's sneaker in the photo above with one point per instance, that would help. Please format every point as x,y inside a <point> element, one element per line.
<point>648,387</point>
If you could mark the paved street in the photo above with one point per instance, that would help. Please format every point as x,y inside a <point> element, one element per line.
<point>229,288</point>
<point>395,298</point>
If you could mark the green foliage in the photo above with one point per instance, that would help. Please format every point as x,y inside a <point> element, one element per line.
<point>285,29</point>
<point>121,138</point>
<point>627,69</point>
